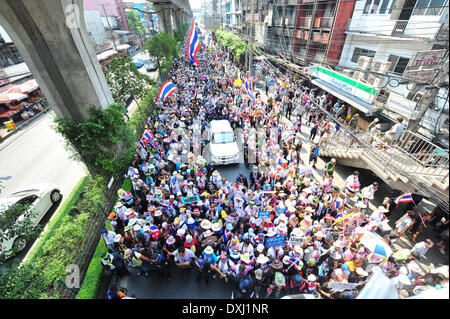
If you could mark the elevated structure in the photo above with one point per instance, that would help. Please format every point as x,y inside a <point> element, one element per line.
<point>172,13</point>
<point>51,36</point>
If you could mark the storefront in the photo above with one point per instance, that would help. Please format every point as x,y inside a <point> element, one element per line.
<point>355,93</point>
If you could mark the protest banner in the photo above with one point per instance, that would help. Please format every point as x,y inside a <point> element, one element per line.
<point>275,241</point>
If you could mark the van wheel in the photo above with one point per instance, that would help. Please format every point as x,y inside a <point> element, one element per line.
<point>55,196</point>
<point>19,243</point>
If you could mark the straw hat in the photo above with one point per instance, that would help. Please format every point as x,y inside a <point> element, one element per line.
<point>180,232</point>
<point>297,232</point>
<point>208,250</point>
<point>205,224</point>
<point>158,213</point>
<point>216,227</point>
<point>117,238</point>
<point>170,240</point>
<point>208,233</point>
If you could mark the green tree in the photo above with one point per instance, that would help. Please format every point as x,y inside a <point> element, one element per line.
<point>135,23</point>
<point>125,80</point>
<point>100,141</point>
<point>163,48</point>
<point>18,220</point>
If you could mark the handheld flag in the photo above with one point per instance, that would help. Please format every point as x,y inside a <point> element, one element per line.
<point>193,44</point>
<point>405,198</point>
<point>248,92</point>
<point>195,93</point>
<point>166,90</point>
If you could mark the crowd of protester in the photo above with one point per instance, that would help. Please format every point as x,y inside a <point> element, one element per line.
<point>278,231</point>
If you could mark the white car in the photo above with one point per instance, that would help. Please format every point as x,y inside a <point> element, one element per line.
<point>222,142</point>
<point>40,197</point>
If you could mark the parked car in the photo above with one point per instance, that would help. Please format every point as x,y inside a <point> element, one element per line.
<point>149,65</point>
<point>39,197</point>
<point>138,63</point>
<point>222,142</point>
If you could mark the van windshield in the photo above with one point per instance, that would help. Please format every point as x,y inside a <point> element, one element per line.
<point>223,137</point>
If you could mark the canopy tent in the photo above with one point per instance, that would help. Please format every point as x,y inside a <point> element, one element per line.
<point>10,97</point>
<point>123,47</point>
<point>25,87</point>
<point>106,54</point>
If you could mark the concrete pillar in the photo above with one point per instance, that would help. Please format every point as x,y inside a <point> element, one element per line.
<point>51,36</point>
<point>176,15</point>
<point>165,17</point>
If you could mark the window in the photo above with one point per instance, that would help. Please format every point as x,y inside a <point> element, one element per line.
<point>392,6</point>
<point>361,52</point>
<point>398,64</point>
<point>374,9</point>
<point>384,6</point>
<point>367,7</point>
<point>223,137</point>
<point>429,7</point>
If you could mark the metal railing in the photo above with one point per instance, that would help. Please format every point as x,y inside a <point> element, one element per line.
<point>392,159</point>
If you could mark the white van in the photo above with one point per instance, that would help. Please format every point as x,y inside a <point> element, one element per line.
<point>222,142</point>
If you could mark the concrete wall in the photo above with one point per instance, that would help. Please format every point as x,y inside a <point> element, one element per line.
<point>51,36</point>
<point>95,26</point>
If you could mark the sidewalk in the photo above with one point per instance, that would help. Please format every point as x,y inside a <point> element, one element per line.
<point>5,133</point>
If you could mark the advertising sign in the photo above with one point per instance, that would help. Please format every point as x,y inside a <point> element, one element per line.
<point>428,58</point>
<point>398,104</point>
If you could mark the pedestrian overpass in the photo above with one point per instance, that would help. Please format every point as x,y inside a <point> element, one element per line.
<point>52,38</point>
<point>411,164</point>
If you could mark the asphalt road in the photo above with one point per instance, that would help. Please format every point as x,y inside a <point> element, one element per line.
<point>37,154</point>
<point>184,285</point>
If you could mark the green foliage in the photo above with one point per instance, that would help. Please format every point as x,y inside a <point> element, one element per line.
<point>232,42</point>
<point>30,279</point>
<point>98,140</point>
<point>91,282</point>
<point>16,221</point>
<point>135,23</point>
<point>125,80</point>
<point>163,47</point>
<point>89,287</point>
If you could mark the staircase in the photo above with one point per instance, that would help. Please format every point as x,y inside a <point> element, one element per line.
<point>421,169</point>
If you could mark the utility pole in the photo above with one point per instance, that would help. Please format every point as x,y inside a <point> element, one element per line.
<point>109,26</point>
<point>428,98</point>
<point>252,38</point>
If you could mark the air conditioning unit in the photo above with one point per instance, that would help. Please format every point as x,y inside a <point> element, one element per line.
<point>375,81</point>
<point>347,72</point>
<point>381,66</point>
<point>364,62</point>
<point>358,75</point>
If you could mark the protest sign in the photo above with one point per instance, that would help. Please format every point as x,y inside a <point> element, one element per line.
<point>190,199</point>
<point>275,241</point>
<point>263,214</point>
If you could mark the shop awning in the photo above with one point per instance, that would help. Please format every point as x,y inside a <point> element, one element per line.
<point>123,46</point>
<point>361,105</point>
<point>106,54</point>
<point>11,97</point>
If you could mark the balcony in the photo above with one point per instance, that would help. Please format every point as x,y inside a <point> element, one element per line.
<point>289,22</point>
<point>399,28</point>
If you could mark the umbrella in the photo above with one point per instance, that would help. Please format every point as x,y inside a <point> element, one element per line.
<point>375,243</point>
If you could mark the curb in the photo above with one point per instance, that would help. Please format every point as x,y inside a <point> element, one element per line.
<point>22,125</point>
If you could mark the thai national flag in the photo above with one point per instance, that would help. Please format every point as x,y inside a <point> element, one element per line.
<point>193,44</point>
<point>148,135</point>
<point>195,93</point>
<point>166,90</point>
<point>227,189</point>
<point>289,137</point>
<point>248,92</point>
<point>405,198</point>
